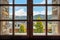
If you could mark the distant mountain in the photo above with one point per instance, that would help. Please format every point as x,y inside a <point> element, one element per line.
<point>34,17</point>
<point>42,16</point>
<point>21,17</point>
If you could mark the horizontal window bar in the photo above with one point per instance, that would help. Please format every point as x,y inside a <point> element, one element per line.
<point>13,20</point>
<point>46,5</point>
<point>28,4</point>
<point>27,20</point>
<point>13,4</point>
<point>46,20</point>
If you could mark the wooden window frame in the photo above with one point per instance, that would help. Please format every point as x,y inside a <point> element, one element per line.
<point>29,20</point>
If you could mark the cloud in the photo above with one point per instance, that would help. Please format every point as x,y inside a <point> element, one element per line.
<point>42,13</point>
<point>37,12</point>
<point>43,2</point>
<point>49,1</point>
<point>10,3</point>
<point>21,12</point>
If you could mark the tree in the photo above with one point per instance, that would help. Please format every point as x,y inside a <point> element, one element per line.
<point>22,28</point>
<point>39,26</point>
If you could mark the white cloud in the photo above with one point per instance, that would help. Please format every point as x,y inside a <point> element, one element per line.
<point>37,12</point>
<point>20,12</point>
<point>10,3</point>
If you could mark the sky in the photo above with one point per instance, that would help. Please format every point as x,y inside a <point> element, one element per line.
<point>22,11</point>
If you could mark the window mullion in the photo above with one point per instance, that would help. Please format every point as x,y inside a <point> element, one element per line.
<point>46,17</point>
<point>30,17</point>
<point>13,18</point>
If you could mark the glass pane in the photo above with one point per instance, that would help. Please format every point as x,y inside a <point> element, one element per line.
<point>39,28</point>
<point>38,1</point>
<point>6,1</point>
<point>20,28</point>
<point>53,13</point>
<point>21,12</point>
<point>53,28</point>
<point>20,1</point>
<point>53,1</point>
<point>39,12</point>
<point>6,12</point>
<point>5,28</point>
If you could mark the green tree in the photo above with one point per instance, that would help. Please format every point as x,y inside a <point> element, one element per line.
<point>21,30</point>
<point>39,26</point>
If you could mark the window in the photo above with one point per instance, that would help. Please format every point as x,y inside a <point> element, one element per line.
<point>7,12</point>
<point>39,11</point>
<point>20,13</point>
<point>39,28</point>
<point>6,28</point>
<point>30,18</point>
<point>53,28</point>
<point>53,12</point>
<point>21,28</point>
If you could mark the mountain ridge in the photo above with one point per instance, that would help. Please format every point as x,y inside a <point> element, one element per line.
<point>34,17</point>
